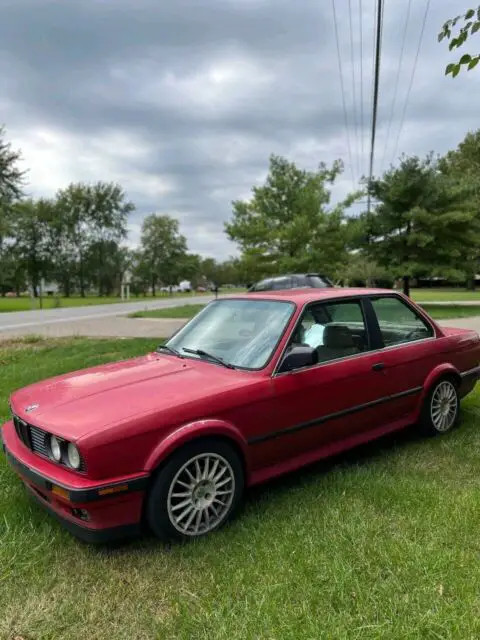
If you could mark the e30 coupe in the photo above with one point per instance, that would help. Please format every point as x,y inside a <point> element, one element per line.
<point>253,387</point>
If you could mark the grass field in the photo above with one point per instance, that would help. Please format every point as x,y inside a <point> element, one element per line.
<point>444,295</point>
<point>382,543</point>
<point>189,310</point>
<point>439,312</point>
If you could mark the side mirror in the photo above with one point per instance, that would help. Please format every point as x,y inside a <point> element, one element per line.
<point>299,357</point>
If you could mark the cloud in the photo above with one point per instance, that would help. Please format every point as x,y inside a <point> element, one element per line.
<point>182,101</point>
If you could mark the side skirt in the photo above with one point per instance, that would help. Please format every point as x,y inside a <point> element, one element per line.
<point>332,449</point>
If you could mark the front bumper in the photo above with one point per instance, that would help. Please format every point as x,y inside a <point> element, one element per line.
<point>97,512</point>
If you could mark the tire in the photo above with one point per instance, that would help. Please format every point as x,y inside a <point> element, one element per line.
<point>441,409</point>
<point>214,491</point>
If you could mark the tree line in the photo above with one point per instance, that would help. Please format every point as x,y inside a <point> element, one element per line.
<point>76,239</point>
<point>424,222</point>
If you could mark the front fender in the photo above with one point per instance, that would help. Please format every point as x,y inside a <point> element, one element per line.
<point>443,369</point>
<point>192,431</point>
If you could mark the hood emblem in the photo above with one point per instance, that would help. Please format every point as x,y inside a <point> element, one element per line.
<point>31,407</point>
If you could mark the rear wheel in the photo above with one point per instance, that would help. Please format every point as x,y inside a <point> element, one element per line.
<point>196,492</point>
<point>441,409</point>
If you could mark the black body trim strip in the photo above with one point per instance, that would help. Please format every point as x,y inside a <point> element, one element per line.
<point>471,373</point>
<point>75,495</point>
<point>333,416</point>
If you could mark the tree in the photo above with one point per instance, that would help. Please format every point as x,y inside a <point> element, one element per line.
<point>11,183</point>
<point>92,214</point>
<point>423,224</point>
<point>12,271</point>
<point>209,270</point>
<point>287,224</point>
<point>11,176</point>
<point>107,261</point>
<point>361,270</point>
<point>463,165</point>
<point>163,250</point>
<point>29,234</point>
<point>471,25</point>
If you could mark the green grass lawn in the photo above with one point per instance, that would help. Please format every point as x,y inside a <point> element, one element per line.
<point>437,312</point>
<point>382,543</point>
<point>444,295</point>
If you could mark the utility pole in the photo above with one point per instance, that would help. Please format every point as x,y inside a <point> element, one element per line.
<point>376,82</point>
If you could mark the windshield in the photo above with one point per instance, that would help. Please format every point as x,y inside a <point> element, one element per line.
<point>242,333</point>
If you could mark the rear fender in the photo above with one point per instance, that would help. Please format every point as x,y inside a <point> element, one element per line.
<point>445,369</point>
<point>194,431</point>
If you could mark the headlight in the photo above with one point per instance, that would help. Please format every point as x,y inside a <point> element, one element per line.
<point>55,448</point>
<point>73,456</point>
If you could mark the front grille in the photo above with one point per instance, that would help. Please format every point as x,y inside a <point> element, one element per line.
<point>23,431</point>
<point>39,441</point>
<point>36,440</point>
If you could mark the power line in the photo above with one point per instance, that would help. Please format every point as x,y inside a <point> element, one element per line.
<point>394,98</point>
<point>362,120</point>
<point>354,92</point>
<point>420,40</point>
<point>342,86</point>
<point>376,82</point>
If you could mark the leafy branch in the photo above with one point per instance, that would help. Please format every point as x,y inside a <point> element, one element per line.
<point>471,25</point>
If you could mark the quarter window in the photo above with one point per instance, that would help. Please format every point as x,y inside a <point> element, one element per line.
<point>398,322</point>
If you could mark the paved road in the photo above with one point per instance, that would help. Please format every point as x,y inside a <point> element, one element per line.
<point>33,321</point>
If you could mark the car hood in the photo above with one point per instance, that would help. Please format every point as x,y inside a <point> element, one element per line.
<point>77,403</point>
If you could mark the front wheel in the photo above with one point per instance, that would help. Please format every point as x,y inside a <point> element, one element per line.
<point>196,491</point>
<point>441,409</point>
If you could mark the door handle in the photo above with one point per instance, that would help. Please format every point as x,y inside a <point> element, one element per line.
<point>379,366</point>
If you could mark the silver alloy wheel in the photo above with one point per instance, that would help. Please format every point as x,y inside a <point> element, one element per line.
<point>444,406</point>
<point>201,494</point>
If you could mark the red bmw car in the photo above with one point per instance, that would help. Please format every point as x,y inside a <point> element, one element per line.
<point>253,387</point>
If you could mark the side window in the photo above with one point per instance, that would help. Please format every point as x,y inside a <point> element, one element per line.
<point>398,322</point>
<point>336,330</point>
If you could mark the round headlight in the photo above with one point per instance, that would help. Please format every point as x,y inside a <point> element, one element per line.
<point>73,456</point>
<point>55,448</point>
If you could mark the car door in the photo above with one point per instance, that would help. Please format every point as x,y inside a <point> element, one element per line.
<point>335,400</point>
<point>409,352</point>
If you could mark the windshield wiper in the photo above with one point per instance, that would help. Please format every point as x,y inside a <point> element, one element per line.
<point>174,352</point>
<point>205,354</point>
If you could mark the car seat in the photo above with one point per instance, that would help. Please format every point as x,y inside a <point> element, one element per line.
<point>337,343</point>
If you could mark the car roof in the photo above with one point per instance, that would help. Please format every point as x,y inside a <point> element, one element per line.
<point>304,296</point>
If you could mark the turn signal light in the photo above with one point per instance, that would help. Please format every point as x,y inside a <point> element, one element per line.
<point>63,493</point>
<point>108,490</point>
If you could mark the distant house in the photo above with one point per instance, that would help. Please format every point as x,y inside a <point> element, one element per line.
<point>50,288</point>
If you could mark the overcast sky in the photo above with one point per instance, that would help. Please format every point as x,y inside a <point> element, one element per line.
<point>182,101</point>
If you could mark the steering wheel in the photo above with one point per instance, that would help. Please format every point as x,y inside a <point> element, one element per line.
<point>412,334</point>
